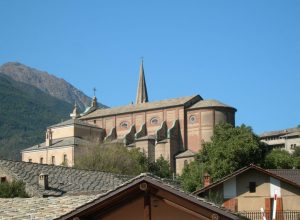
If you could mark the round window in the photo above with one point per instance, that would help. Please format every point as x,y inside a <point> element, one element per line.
<point>193,119</point>
<point>124,124</point>
<point>154,121</point>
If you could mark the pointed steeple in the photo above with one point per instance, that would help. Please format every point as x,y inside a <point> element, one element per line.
<point>141,95</point>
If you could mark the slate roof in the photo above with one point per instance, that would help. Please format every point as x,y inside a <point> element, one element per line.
<point>62,142</point>
<point>73,122</point>
<point>62,180</point>
<point>186,101</point>
<point>290,174</point>
<point>41,208</point>
<point>210,103</point>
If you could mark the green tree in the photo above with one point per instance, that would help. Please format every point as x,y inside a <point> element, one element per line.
<point>13,189</point>
<point>230,149</point>
<point>114,158</point>
<point>192,176</point>
<point>296,156</point>
<point>279,159</point>
<point>160,168</point>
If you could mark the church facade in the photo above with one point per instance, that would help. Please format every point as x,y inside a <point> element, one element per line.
<point>174,129</point>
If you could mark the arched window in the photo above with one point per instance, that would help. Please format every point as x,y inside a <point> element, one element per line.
<point>154,121</point>
<point>41,160</point>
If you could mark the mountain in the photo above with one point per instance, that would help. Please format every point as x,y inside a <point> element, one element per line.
<point>25,112</point>
<point>48,83</point>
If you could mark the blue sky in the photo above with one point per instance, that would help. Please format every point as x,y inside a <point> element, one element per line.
<point>243,53</point>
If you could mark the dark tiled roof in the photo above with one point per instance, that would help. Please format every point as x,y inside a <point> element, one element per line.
<point>62,180</point>
<point>290,174</point>
<point>41,208</point>
<point>62,142</point>
<point>143,106</point>
<point>210,103</point>
<point>72,122</point>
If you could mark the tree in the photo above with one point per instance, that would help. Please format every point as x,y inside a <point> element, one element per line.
<point>192,176</point>
<point>13,189</point>
<point>296,156</point>
<point>116,158</point>
<point>160,167</point>
<point>279,159</point>
<point>230,149</point>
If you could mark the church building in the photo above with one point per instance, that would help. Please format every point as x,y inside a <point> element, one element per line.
<point>174,129</point>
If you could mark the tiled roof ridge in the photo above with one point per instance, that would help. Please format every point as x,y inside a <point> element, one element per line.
<point>71,121</point>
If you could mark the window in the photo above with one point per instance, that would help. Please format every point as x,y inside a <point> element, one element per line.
<point>193,119</point>
<point>53,160</point>
<point>95,121</point>
<point>30,160</point>
<point>65,159</point>
<point>124,124</point>
<point>3,179</point>
<point>252,187</point>
<point>41,160</point>
<point>154,121</point>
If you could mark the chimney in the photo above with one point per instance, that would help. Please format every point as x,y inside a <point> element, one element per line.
<point>43,181</point>
<point>48,137</point>
<point>206,180</point>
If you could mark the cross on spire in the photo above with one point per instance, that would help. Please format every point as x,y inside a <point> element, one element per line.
<point>94,89</point>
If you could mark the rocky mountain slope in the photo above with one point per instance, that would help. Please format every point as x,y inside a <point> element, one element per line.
<point>25,112</point>
<point>48,83</point>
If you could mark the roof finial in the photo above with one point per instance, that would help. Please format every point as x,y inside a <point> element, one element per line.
<point>94,101</point>
<point>94,89</point>
<point>142,95</point>
<point>75,113</point>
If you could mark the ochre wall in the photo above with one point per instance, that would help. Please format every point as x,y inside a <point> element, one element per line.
<point>252,201</point>
<point>62,132</point>
<point>58,153</point>
<point>290,197</point>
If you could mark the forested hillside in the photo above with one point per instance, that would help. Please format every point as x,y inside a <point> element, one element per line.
<point>25,112</point>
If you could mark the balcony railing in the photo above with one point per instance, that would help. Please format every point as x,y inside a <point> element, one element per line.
<point>280,215</point>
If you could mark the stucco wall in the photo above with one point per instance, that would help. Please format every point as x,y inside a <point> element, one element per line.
<point>47,154</point>
<point>61,132</point>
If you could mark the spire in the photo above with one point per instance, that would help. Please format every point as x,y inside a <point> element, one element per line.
<point>75,113</point>
<point>141,95</point>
